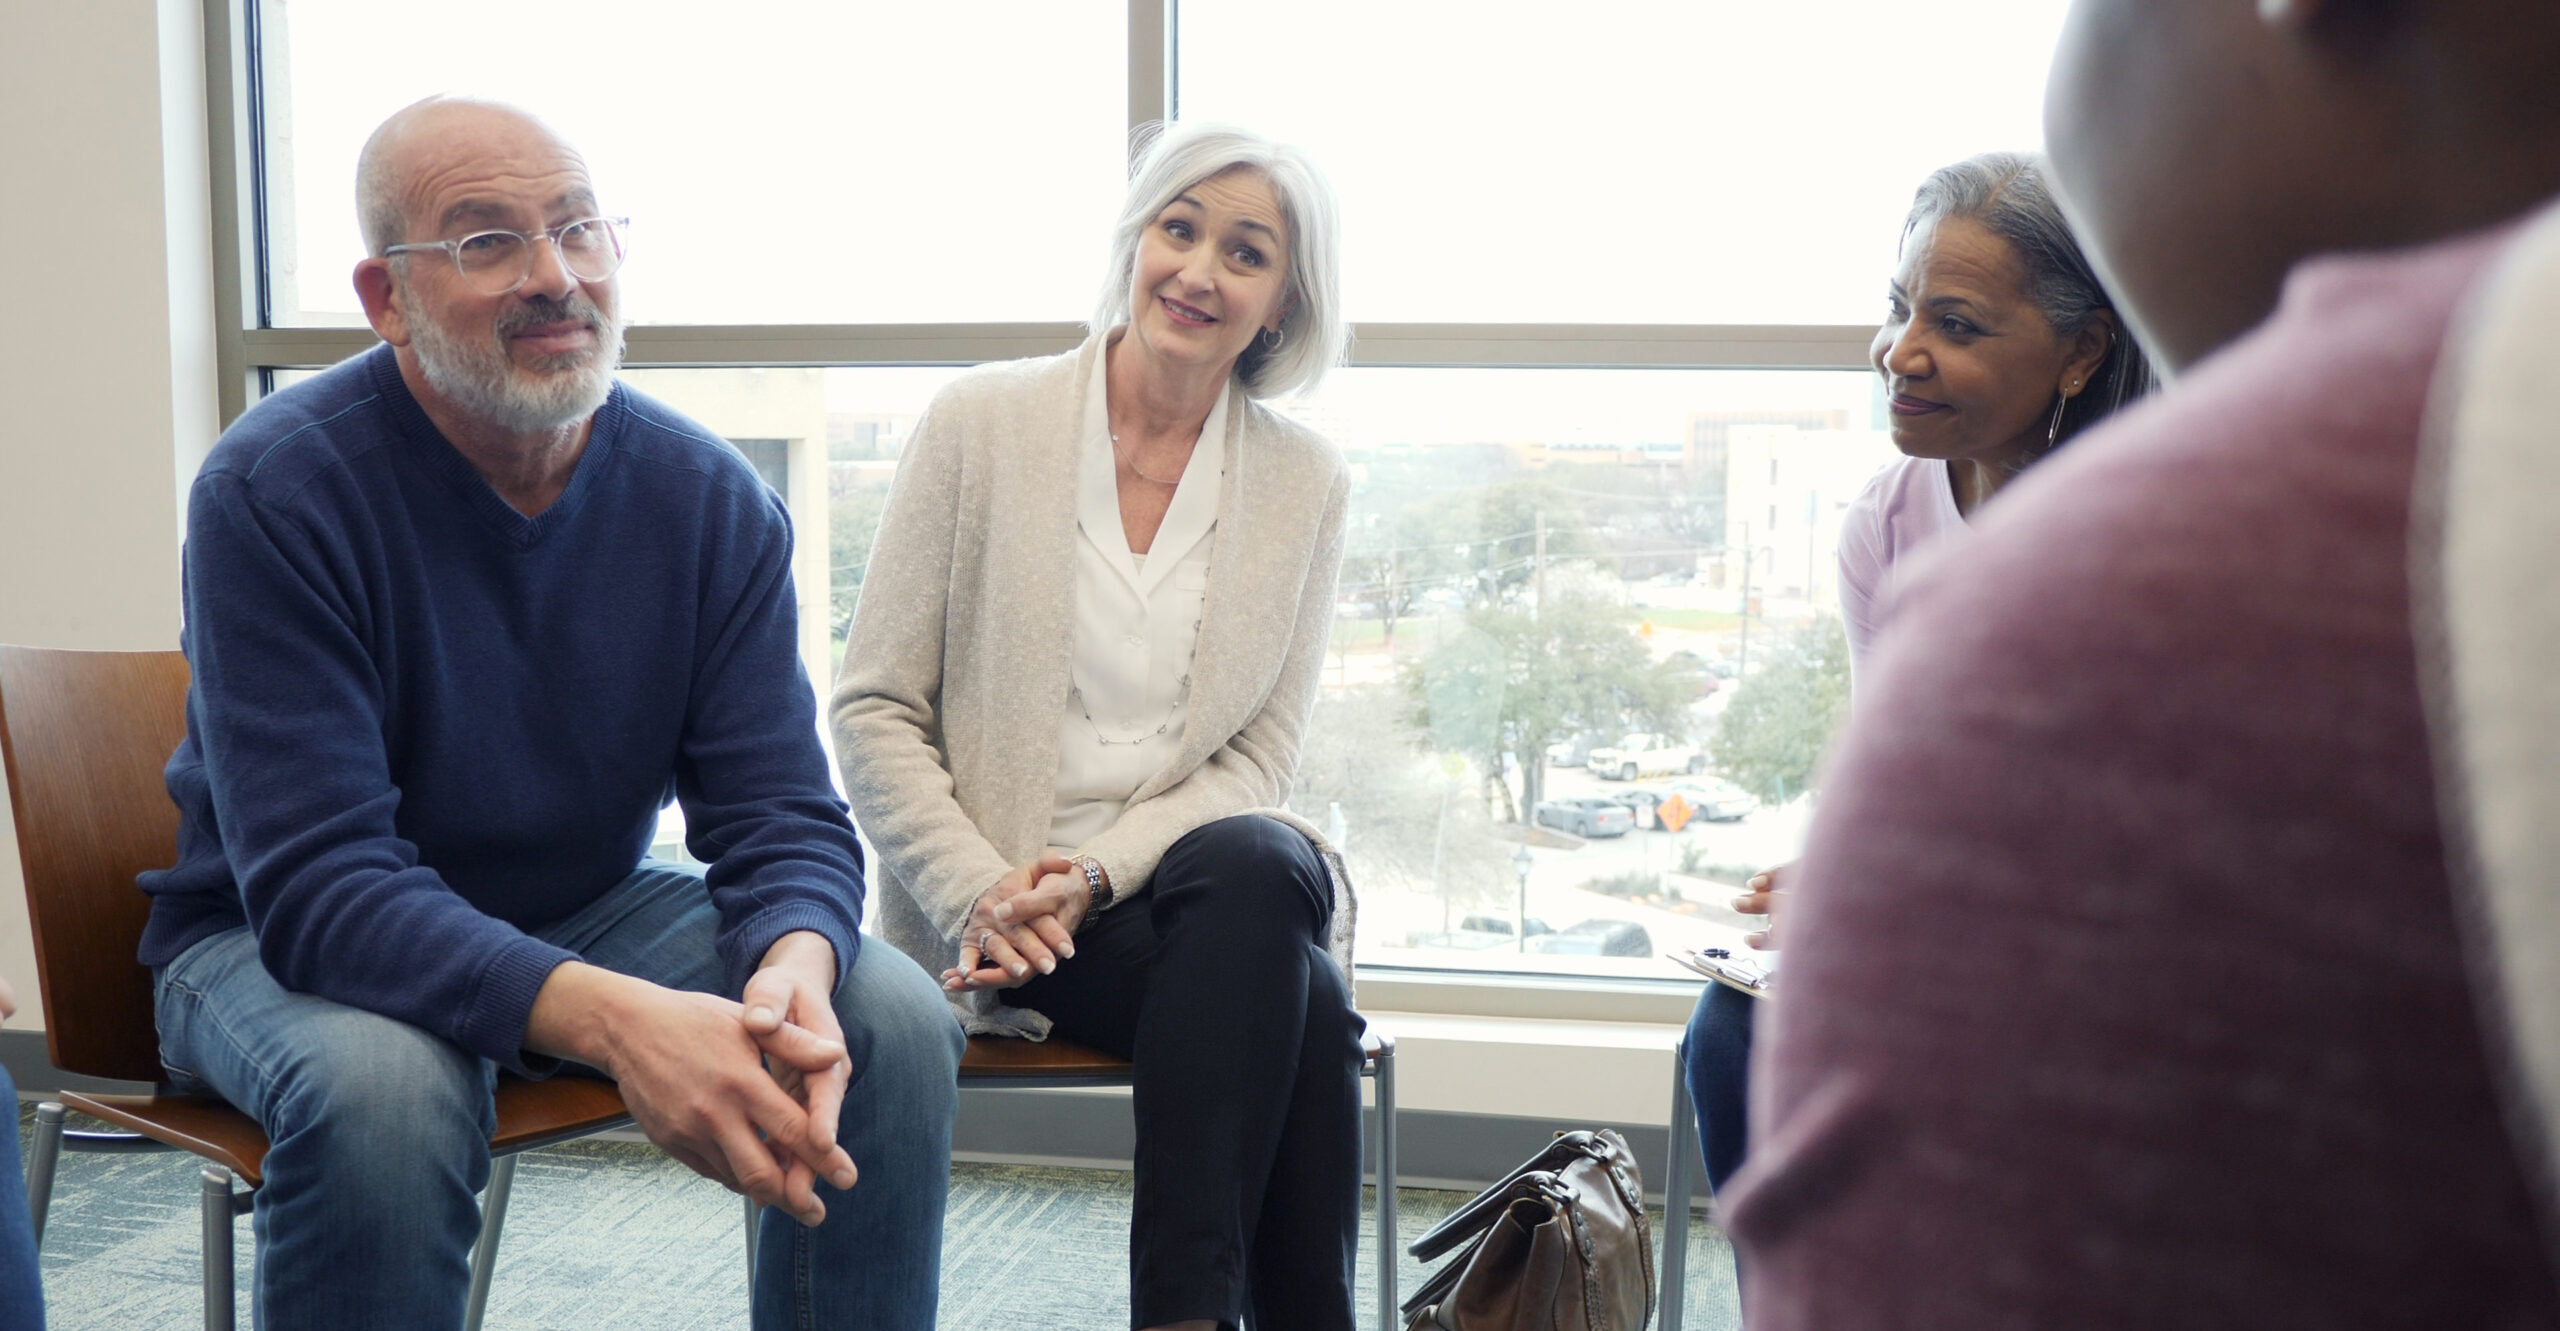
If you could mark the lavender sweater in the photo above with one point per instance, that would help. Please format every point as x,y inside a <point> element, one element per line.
<point>2125,987</point>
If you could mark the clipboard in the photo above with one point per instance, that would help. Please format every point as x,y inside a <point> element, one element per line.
<point>1723,967</point>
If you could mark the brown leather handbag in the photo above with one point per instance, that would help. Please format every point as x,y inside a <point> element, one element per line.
<point>1561,1245</point>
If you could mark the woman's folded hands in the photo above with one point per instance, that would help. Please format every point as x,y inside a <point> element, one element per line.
<point>1026,923</point>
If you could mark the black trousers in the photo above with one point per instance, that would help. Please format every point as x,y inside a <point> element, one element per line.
<point>1214,983</point>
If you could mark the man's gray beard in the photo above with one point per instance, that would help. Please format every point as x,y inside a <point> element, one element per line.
<point>478,378</point>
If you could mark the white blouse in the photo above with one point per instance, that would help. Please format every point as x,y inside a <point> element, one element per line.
<point>1137,619</point>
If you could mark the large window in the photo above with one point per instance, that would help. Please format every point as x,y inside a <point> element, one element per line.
<point>1614,265</point>
<point>1543,563</point>
<point>1627,161</point>
<point>785,161</point>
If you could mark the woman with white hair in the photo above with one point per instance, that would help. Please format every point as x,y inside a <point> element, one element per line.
<point>1073,700</point>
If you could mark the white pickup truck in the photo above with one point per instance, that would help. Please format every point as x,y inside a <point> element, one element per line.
<point>1646,755</point>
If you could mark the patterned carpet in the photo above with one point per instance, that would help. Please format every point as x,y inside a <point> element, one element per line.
<point>608,1233</point>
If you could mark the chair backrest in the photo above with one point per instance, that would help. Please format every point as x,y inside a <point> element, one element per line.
<point>84,737</point>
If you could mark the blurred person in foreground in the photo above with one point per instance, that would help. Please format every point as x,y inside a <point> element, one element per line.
<point>2126,986</point>
<point>1072,704</point>
<point>21,1292</point>
<point>1998,346</point>
<point>464,612</point>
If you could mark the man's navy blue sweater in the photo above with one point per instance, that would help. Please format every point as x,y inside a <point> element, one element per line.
<point>422,723</point>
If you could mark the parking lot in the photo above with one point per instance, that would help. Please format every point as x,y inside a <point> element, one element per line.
<point>1562,870</point>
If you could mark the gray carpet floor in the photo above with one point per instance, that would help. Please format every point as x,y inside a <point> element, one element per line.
<point>611,1233</point>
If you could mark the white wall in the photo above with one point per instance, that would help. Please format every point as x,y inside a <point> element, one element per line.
<point>107,380</point>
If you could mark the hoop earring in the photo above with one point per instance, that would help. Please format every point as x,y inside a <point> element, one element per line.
<point>2053,432</point>
<point>1273,337</point>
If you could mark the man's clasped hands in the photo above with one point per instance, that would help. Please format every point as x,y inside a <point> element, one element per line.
<point>743,1092</point>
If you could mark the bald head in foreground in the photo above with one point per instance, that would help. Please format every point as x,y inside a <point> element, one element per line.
<point>464,612</point>
<point>2127,984</point>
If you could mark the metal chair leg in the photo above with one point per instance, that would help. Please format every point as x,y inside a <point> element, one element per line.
<point>40,1163</point>
<point>753,1212</point>
<point>484,1253</point>
<point>1675,1195</point>
<point>1386,1075</point>
<point>218,1209</point>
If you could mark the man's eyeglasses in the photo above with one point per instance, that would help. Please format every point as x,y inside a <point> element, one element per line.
<point>497,262</point>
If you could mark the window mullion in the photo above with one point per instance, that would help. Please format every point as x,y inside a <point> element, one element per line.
<point>1151,69</point>
<point>229,82</point>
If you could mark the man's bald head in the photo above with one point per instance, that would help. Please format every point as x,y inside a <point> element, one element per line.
<point>386,168</point>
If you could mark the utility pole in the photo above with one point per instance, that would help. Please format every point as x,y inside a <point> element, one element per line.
<point>1538,571</point>
<point>1533,766</point>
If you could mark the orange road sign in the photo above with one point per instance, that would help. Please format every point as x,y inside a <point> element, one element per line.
<point>1675,812</point>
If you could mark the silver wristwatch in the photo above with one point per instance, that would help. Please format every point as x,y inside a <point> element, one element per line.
<point>1097,884</point>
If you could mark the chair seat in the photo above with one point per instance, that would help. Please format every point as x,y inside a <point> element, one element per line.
<point>1004,1060</point>
<point>196,1125</point>
<point>1001,1060</point>
<point>530,1114</point>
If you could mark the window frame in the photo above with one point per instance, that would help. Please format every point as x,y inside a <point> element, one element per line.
<point>249,350</point>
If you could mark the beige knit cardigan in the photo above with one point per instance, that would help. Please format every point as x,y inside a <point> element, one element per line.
<point>956,671</point>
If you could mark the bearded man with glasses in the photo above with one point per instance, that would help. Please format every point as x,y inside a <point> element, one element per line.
<point>463,612</point>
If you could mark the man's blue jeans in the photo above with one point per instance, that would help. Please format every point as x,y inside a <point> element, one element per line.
<point>380,1130</point>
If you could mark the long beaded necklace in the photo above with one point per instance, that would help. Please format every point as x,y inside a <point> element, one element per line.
<point>1087,708</point>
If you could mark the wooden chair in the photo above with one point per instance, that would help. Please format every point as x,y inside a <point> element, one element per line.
<point>995,1062</point>
<point>84,737</point>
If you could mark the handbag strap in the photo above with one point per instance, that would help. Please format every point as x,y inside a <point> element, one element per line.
<point>1480,1212</point>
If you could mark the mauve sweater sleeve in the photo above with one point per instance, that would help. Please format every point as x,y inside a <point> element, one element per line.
<point>289,711</point>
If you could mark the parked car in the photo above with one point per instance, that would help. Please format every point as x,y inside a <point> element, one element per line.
<point>1586,816</point>
<point>1702,678</point>
<point>1714,800</point>
<point>1646,755</point>
<point>1641,801</point>
<point>1720,801</point>
<point>1596,938</point>
<point>1572,752</point>
<point>1501,924</point>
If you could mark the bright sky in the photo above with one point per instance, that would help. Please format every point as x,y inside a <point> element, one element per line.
<point>1629,161</point>
<point>789,161</point>
<point>854,161</point>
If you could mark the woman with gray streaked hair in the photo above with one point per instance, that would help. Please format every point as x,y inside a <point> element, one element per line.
<point>1998,346</point>
<point>1072,704</point>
